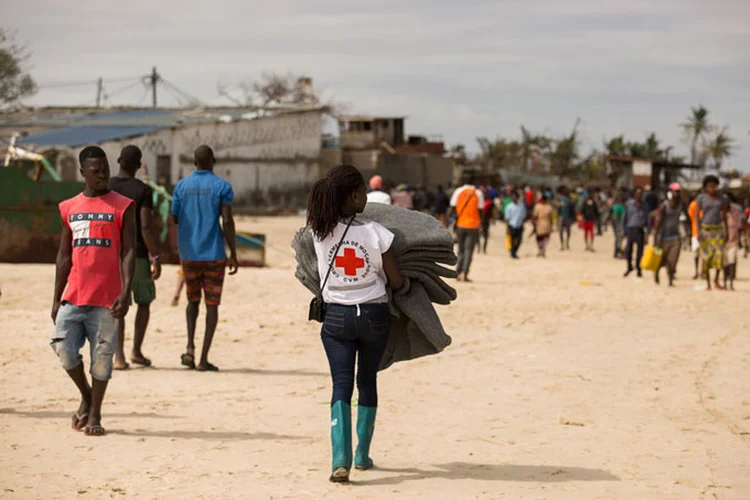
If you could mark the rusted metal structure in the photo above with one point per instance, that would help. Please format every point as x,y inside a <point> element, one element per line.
<point>30,222</point>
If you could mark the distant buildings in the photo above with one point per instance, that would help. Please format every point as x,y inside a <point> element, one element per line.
<point>270,161</point>
<point>377,145</point>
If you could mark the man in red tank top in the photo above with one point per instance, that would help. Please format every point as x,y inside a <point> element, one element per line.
<point>95,267</point>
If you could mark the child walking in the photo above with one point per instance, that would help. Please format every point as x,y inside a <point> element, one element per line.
<point>355,264</point>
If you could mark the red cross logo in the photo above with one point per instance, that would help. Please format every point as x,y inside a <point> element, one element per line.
<point>350,262</point>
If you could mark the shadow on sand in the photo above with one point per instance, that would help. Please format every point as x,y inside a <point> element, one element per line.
<point>492,472</point>
<point>206,435</point>
<point>247,371</point>
<point>67,414</point>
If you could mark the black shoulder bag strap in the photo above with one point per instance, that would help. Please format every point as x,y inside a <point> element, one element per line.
<point>466,203</point>
<point>317,311</point>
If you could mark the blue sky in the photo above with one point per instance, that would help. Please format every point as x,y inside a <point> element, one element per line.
<point>459,70</point>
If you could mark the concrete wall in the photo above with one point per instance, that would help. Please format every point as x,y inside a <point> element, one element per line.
<point>416,169</point>
<point>359,140</point>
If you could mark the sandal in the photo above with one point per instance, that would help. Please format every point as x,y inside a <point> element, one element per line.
<point>79,421</point>
<point>188,360</point>
<point>208,368</point>
<point>141,361</point>
<point>94,430</point>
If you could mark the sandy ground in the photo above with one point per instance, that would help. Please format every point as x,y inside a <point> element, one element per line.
<point>564,381</point>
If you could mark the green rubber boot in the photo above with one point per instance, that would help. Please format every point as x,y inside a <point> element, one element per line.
<point>365,429</point>
<point>341,441</point>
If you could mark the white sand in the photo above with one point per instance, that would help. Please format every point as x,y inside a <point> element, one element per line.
<point>652,383</point>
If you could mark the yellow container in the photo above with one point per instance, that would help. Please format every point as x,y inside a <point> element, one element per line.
<point>508,243</point>
<point>651,258</point>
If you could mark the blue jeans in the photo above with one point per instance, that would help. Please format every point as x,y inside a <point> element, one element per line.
<point>76,324</point>
<point>348,330</point>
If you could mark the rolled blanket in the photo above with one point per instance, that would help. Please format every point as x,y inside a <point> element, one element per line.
<point>421,244</point>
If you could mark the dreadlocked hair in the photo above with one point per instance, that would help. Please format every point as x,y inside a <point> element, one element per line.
<point>325,207</point>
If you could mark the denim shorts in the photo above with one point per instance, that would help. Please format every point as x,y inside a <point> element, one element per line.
<point>76,324</point>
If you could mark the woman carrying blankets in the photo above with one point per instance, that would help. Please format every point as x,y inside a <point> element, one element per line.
<point>712,229</point>
<point>355,262</point>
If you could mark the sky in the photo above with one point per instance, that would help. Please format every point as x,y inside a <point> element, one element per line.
<point>458,70</point>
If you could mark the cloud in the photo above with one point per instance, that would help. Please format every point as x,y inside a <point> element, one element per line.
<point>474,68</point>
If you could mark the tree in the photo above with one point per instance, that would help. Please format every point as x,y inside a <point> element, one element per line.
<point>564,156</point>
<point>616,146</point>
<point>695,128</point>
<point>15,82</point>
<point>720,147</point>
<point>458,152</point>
<point>273,89</point>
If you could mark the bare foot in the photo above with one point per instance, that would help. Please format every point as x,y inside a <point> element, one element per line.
<point>121,365</point>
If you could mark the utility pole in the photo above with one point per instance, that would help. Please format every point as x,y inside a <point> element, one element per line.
<point>99,89</point>
<point>154,80</point>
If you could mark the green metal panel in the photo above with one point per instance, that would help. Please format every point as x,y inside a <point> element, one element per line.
<point>29,217</point>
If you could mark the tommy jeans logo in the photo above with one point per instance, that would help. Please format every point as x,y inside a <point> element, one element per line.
<point>92,242</point>
<point>92,216</point>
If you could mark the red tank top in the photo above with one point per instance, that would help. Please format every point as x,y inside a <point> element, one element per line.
<point>96,224</point>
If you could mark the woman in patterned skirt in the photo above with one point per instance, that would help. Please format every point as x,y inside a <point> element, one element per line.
<point>712,229</point>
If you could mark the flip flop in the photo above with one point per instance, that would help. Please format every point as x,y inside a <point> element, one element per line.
<point>94,430</point>
<point>79,421</point>
<point>122,368</point>
<point>188,360</point>
<point>142,362</point>
<point>208,368</point>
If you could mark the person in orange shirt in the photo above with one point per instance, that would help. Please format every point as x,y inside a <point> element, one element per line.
<point>692,212</point>
<point>467,203</point>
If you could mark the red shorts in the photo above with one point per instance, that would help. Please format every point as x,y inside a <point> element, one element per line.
<point>588,228</point>
<point>207,276</point>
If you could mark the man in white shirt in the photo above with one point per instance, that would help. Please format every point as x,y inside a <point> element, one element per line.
<point>467,204</point>
<point>376,194</point>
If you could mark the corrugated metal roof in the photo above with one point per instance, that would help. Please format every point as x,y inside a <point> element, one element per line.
<point>79,136</point>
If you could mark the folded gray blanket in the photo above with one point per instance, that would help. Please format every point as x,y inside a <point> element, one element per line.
<point>421,244</point>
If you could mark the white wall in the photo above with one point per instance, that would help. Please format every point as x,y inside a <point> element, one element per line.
<point>259,157</point>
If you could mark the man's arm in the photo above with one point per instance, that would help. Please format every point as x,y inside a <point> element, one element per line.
<point>230,235</point>
<point>148,230</point>
<point>63,265</point>
<point>127,263</point>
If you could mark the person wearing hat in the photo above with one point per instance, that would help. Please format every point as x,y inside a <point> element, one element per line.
<point>667,232</point>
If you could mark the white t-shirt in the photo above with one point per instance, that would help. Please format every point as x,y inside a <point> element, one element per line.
<point>457,193</point>
<point>379,197</point>
<point>357,276</point>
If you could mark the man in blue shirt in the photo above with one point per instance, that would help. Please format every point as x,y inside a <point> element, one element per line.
<point>198,202</point>
<point>515,215</point>
<point>636,225</point>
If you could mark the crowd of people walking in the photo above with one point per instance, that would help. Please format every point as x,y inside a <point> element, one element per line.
<point>711,224</point>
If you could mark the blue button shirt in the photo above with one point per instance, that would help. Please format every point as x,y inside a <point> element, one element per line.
<point>515,214</point>
<point>197,202</point>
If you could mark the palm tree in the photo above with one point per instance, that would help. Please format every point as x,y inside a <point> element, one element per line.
<point>720,147</point>
<point>696,127</point>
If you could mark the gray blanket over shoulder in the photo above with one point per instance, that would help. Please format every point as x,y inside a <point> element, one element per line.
<point>423,248</point>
